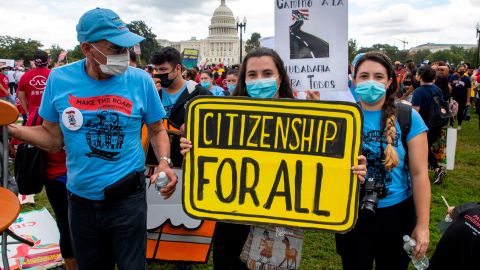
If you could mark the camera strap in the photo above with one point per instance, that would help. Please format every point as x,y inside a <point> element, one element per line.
<point>404,118</point>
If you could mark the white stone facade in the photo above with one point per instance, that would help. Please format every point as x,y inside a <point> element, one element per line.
<point>222,44</point>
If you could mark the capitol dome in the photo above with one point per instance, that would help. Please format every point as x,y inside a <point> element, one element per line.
<point>223,22</point>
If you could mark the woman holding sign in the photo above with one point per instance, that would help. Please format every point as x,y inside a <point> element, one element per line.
<point>396,196</point>
<point>262,75</point>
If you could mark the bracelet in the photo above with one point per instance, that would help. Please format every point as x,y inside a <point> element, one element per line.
<point>167,159</point>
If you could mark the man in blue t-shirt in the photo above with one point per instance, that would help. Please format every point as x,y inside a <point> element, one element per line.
<point>96,107</point>
<point>174,92</point>
<point>421,101</point>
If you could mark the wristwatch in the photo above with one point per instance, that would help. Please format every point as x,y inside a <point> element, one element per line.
<point>167,159</point>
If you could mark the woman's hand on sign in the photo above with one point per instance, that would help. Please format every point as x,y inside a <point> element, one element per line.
<point>312,95</point>
<point>185,145</point>
<point>361,169</point>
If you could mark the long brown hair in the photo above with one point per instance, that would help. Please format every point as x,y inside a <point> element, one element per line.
<point>285,89</point>
<point>389,111</point>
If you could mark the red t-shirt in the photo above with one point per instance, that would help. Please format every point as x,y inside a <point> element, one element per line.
<point>33,84</point>
<point>4,82</point>
<point>197,78</point>
<point>20,108</point>
<point>56,162</point>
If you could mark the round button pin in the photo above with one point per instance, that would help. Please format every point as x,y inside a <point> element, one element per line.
<point>72,118</point>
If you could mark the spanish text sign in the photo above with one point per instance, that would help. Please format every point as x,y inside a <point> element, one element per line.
<point>285,162</point>
<point>311,36</point>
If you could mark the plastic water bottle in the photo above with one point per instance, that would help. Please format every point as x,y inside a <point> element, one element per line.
<point>161,182</point>
<point>448,218</point>
<point>409,246</point>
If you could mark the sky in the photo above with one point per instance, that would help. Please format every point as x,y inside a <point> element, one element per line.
<point>370,21</point>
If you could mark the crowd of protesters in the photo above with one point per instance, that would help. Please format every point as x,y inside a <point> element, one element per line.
<point>458,85</point>
<point>92,210</point>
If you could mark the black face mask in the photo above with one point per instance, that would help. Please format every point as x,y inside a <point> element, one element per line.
<point>164,80</point>
<point>461,73</point>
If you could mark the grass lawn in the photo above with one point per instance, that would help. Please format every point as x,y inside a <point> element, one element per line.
<point>461,185</point>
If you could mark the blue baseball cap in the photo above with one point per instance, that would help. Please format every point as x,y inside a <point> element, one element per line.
<point>104,24</point>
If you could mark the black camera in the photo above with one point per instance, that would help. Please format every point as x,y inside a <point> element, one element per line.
<point>372,190</point>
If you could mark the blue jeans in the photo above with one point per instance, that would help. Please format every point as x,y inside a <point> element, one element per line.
<point>9,99</point>
<point>107,233</point>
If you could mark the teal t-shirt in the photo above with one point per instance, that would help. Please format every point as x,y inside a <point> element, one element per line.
<point>373,143</point>
<point>101,123</point>
<point>169,100</point>
<point>217,91</point>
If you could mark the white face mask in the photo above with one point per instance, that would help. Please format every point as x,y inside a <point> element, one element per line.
<point>116,63</point>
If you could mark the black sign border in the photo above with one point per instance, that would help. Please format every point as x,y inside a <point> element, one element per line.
<point>230,100</point>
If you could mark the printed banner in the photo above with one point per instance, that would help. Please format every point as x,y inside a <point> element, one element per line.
<point>285,162</point>
<point>160,210</point>
<point>172,234</point>
<point>107,102</point>
<point>190,58</point>
<point>274,248</point>
<point>312,39</point>
<point>7,62</point>
<point>26,198</point>
<point>39,227</point>
<point>439,148</point>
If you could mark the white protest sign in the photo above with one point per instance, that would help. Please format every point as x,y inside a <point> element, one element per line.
<point>451,147</point>
<point>311,37</point>
<point>160,210</point>
<point>39,227</point>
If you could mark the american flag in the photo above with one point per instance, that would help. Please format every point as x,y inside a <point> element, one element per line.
<point>299,14</point>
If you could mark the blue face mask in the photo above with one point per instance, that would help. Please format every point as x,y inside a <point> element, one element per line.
<point>231,87</point>
<point>263,88</point>
<point>370,91</point>
<point>205,84</point>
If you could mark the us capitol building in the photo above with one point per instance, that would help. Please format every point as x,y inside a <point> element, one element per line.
<point>222,44</point>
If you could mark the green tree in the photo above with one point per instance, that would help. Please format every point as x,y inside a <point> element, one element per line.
<point>392,51</point>
<point>55,51</point>
<point>352,49</point>
<point>75,54</point>
<point>18,48</point>
<point>253,42</point>
<point>403,56</point>
<point>148,46</point>
<point>420,55</point>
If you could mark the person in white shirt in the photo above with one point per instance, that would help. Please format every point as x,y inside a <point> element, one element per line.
<point>12,85</point>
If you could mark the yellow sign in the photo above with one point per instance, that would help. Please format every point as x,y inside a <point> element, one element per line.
<point>285,162</point>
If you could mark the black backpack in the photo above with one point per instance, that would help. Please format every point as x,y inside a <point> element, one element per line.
<point>404,118</point>
<point>439,114</point>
